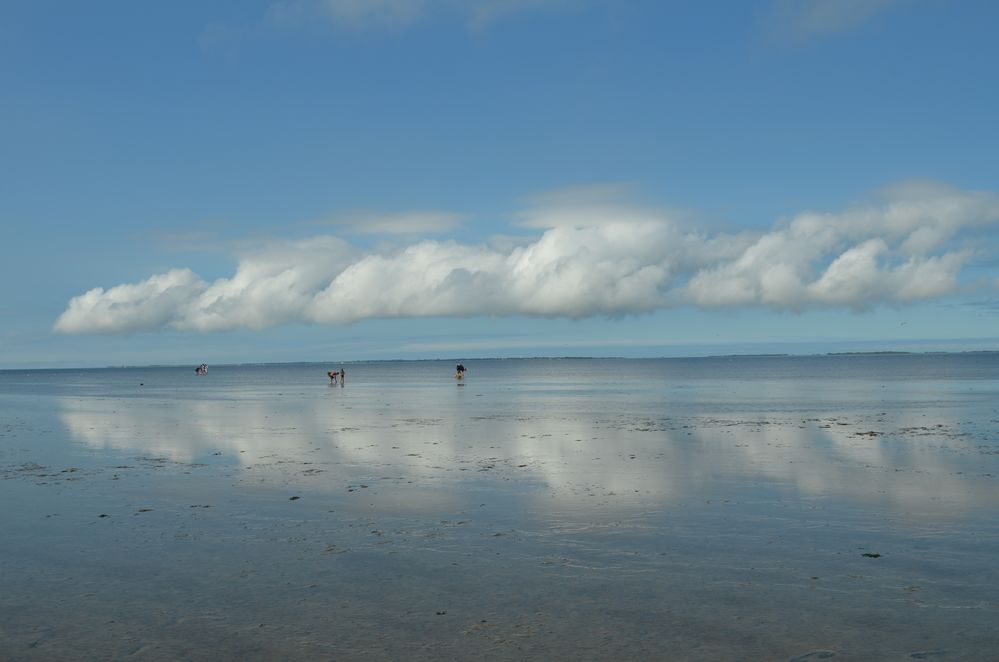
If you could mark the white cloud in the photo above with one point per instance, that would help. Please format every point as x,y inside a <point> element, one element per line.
<point>875,252</point>
<point>271,286</point>
<point>142,306</point>
<point>592,257</point>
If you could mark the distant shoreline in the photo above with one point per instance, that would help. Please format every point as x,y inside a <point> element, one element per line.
<point>524,358</point>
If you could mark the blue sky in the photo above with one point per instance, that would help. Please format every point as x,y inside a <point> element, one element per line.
<point>296,180</point>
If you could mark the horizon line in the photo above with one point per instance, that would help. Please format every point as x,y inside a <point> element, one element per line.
<point>755,355</point>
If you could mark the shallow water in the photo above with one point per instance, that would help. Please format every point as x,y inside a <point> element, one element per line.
<point>731,508</point>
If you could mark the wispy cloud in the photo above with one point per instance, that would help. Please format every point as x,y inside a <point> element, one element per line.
<point>353,14</point>
<point>401,223</point>
<point>486,12</point>
<point>591,258</point>
<point>804,20</point>
<point>361,17</point>
<point>985,305</point>
<point>399,14</point>
<point>493,343</point>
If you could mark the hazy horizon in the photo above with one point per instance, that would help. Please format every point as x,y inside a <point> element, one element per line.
<point>842,350</point>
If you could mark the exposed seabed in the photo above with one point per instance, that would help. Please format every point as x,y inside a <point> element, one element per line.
<point>348,527</point>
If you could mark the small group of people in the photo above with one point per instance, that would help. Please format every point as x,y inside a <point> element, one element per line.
<point>341,376</point>
<point>201,369</point>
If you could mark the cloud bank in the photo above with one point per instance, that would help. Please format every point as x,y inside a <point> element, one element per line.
<point>589,256</point>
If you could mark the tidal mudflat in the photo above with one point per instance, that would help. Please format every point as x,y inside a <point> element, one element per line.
<point>709,509</point>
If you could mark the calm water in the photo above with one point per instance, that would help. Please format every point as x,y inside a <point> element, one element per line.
<point>715,508</point>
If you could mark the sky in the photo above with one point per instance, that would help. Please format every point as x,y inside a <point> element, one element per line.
<point>248,181</point>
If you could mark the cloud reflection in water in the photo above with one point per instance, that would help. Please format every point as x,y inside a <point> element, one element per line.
<point>916,465</point>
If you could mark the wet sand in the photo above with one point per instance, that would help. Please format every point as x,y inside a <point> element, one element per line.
<point>498,521</point>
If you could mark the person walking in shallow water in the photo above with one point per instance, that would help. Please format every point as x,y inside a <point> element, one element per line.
<point>332,374</point>
<point>459,371</point>
<point>343,377</point>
